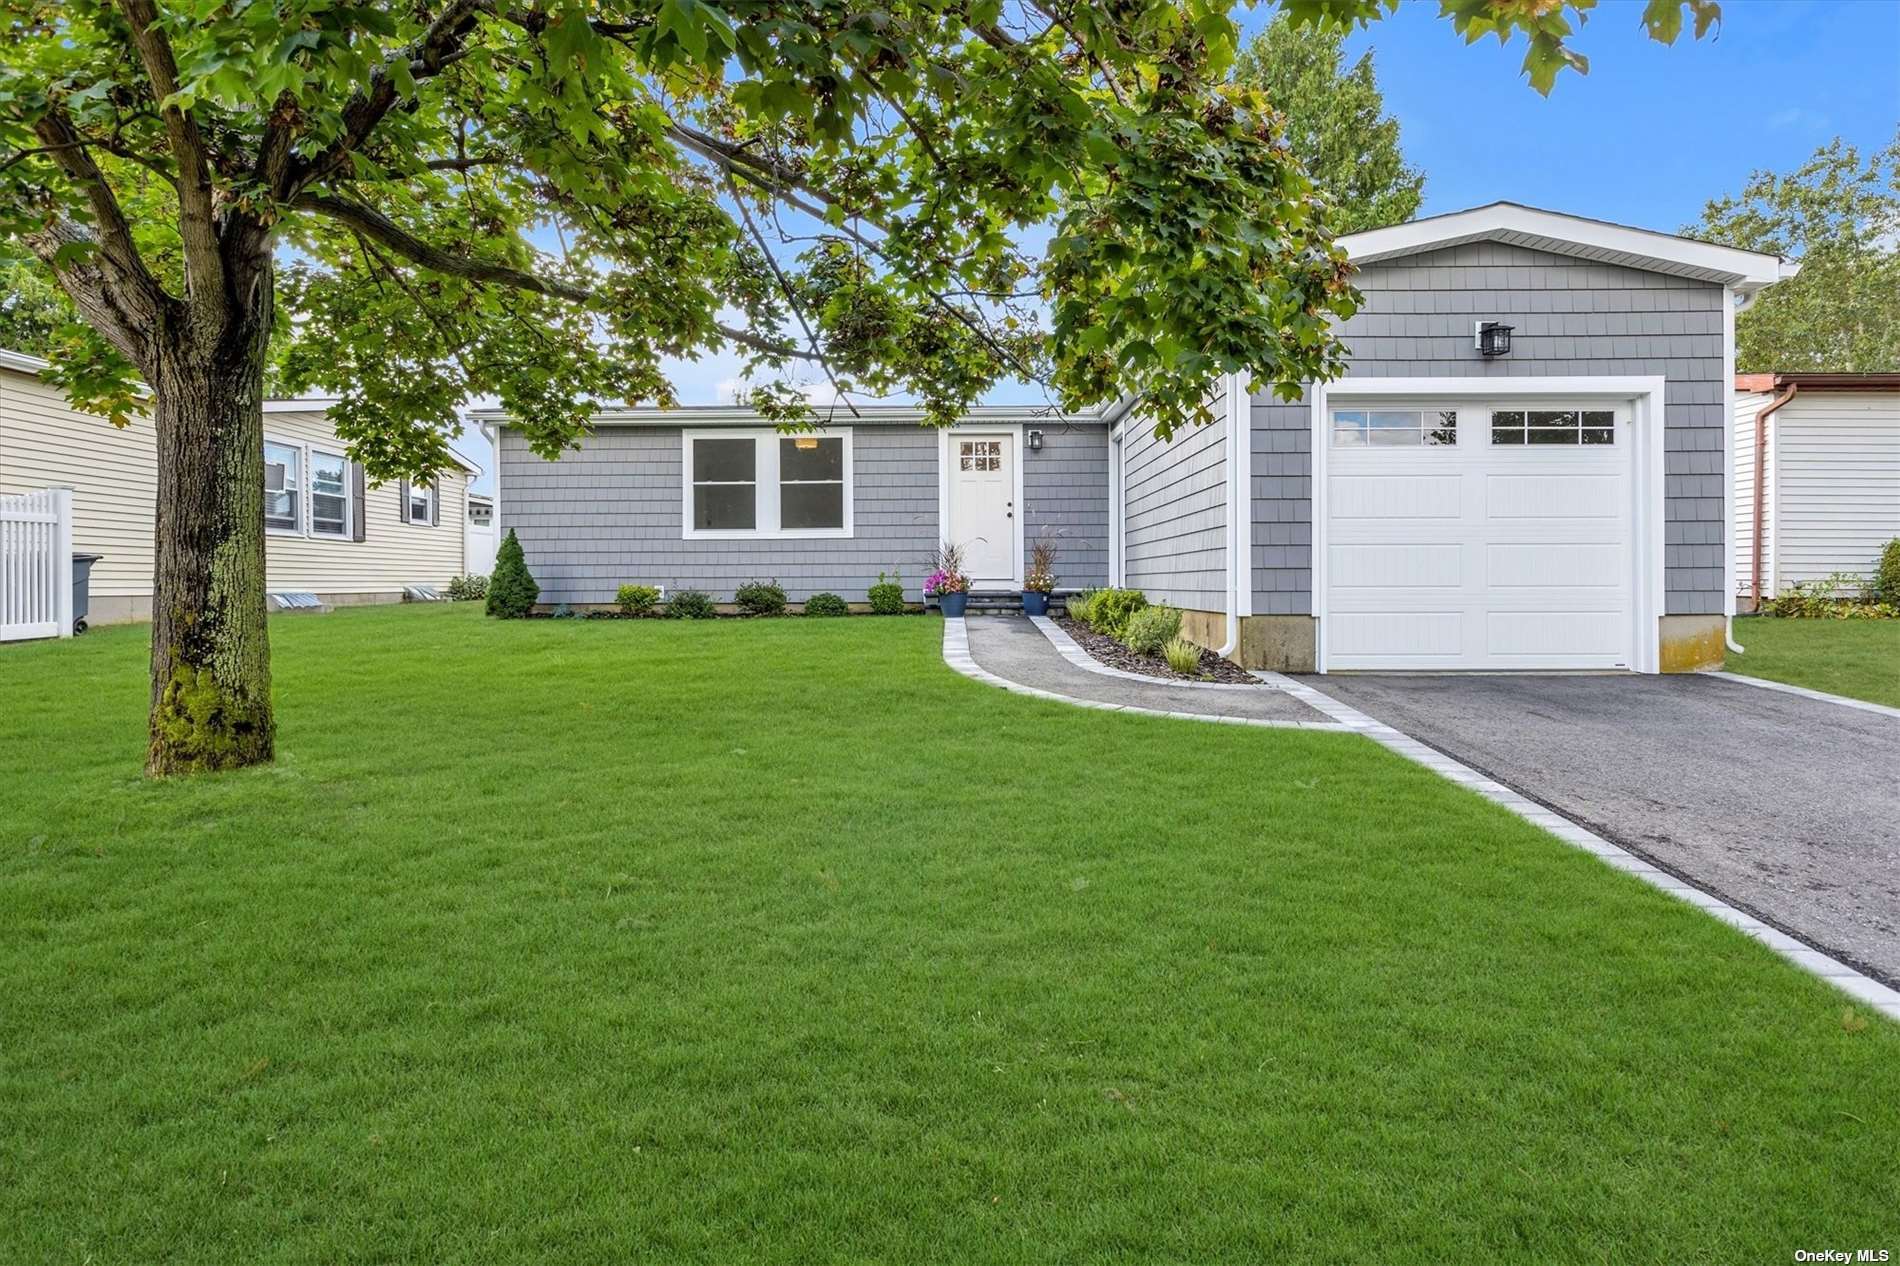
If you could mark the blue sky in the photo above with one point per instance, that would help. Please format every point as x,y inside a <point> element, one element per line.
<point>1647,137</point>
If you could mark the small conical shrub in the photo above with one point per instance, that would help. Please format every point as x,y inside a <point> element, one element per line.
<point>511,590</point>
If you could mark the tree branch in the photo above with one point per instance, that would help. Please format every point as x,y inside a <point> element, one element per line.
<point>438,47</point>
<point>123,268</point>
<point>204,262</point>
<point>378,227</point>
<point>791,297</point>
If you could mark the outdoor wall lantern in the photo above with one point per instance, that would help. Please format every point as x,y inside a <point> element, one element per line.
<point>1035,441</point>
<point>1493,339</point>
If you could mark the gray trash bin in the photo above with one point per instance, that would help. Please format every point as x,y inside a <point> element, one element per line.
<point>82,588</point>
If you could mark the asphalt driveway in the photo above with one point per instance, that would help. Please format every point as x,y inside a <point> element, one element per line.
<point>1786,806</point>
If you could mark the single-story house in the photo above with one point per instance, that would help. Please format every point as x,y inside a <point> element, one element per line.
<point>1524,467</point>
<point>1829,445</point>
<point>326,532</point>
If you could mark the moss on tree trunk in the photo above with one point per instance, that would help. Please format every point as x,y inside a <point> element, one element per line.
<point>211,695</point>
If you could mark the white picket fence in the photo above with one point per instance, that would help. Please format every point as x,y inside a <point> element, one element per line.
<point>36,565</point>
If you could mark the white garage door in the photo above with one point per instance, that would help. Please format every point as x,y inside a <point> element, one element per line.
<point>1478,536</point>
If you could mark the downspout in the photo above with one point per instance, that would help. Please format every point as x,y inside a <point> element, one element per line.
<point>1760,491</point>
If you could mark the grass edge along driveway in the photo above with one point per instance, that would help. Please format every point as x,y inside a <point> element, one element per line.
<point>778,941</point>
<point>1856,658</point>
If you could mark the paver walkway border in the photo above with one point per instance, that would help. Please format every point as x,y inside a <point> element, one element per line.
<point>956,653</point>
<point>1806,692</point>
<point>1848,980</point>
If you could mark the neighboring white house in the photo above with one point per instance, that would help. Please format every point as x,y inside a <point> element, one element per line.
<point>1830,444</point>
<point>326,531</point>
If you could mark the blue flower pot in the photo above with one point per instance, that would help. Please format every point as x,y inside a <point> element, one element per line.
<point>1035,603</point>
<point>953,604</point>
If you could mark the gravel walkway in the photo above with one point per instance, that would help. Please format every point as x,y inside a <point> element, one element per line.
<point>1012,648</point>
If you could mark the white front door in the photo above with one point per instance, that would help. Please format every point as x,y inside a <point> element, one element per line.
<point>1479,535</point>
<point>983,506</point>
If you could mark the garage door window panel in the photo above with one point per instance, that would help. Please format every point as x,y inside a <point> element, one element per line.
<point>1570,428</point>
<point>1394,428</point>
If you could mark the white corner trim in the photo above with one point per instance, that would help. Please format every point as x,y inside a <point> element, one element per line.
<point>1762,683</point>
<point>1728,471</point>
<point>1861,987</point>
<point>956,653</point>
<point>1072,651</point>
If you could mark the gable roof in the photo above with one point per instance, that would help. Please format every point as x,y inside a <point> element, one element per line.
<point>1514,224</point>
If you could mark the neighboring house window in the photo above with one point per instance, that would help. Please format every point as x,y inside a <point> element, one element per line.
<point>283,487</point>
<point>1553,426</point>
<point>1394,428</point>
<point>329,495</point>
<point>418,503</point>
<point>763,484</point>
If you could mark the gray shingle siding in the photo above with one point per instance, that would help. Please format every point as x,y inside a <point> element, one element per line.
<point>1174,509</point>
<point>1572,317</point>
<point>610,512</point>
<point>1065,490</point>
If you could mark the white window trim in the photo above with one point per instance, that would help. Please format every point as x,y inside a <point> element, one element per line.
<point>350,508</point>
<point>303,489</point>
<point>409,507</point>
<point>765,473</point>
<point>1647,423</point>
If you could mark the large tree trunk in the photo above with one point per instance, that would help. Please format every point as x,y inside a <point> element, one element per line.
<point>211,698</point>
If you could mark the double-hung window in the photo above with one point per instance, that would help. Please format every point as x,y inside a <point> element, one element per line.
<point>330,507</point>
<point>418,503</point>
<point>759,483</point>
<point>283,487</point>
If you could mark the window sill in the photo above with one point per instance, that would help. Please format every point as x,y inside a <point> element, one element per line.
<point>754,534</point>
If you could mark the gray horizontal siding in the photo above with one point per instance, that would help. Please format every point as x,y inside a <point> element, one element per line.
<point>1065,491</point>
<point>1174,511</point>
<point>1571,317</point>
<point>609,513</point>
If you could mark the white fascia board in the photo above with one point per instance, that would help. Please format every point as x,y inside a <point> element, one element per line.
<point>739,415</point>
<point>1744,271</point>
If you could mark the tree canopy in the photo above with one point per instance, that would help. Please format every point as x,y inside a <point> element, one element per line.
<point>1839,214</point>
<point>540,200</point>
<point>1336,123</point>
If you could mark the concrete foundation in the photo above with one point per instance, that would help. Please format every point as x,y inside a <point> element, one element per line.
<point>137,608</point>
<point>1691,643</point>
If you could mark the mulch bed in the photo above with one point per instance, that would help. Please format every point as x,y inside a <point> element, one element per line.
<point>1107,650</point>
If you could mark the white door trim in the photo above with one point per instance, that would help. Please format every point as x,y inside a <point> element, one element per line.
<point>1018,434</point>
<point>1645,396</point>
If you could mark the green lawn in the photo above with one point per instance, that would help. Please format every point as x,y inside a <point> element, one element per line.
<point>1856,658</point>
<point>601,942</point>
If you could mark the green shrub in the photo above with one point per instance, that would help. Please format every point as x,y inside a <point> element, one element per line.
<point>1077,605</point>
<point>1183,656</point>
<point>691,604</point>
<point>637,599</point>
<point>1887,574</point>
<point>511,590</point>
<point>469,588</point>
<point>1839,596</point>
<point>1109,609</point>
<point>760,597</point>
<point>887,595</point>
<point>826,604</point>
<point>1150,629</point>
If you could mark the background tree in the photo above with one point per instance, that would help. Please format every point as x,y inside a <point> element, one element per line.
<point>540,199</point>
<point>1840,216</point>
<point>1336,122</point>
